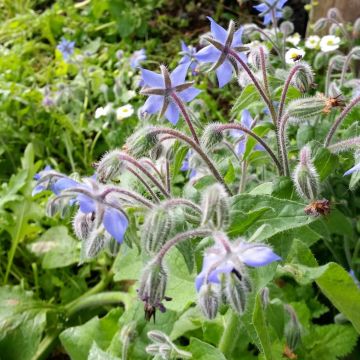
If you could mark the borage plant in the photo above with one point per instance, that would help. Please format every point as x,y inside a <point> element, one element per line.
<point>216,219</point>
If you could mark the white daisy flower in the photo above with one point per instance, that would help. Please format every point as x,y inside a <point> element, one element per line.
<point>293,55</point>
<point>294,39</point>
<point>312,42</point>
<point>124,112</point>
<point>103,111</point>
<point>329,43</point>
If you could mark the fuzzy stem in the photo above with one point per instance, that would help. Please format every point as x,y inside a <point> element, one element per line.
<point>255,82</point>
<point>230,335</point>
<point>168,177</point>
<point>243,177</point>
<point>345,145</point>
<point>128,193</point>
<point>186,202</point>
<point>185,114</point>
<point>282,143</point>
<point>179,238</point>
<point>177,134</point>
<point>339,120</point>
<point>137,164</point>
<point>287,83</point>
<point>342,28</point>
<point>270,40</point>
<point>223,127</point>
<point>345,67</point>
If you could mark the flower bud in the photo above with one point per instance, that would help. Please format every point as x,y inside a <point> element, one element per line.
<point>158,336</point>
<point>337,62</point>
<point>83,224</point>
<point>292,329</point>
<point>306,108</point>
<point>113,247</point>
<point>248,29</point>
<point>320,25</point>
<point>211,137</point>
<point>94,243</point>
<point>334,14</point>
<point>236,290</point>
<point>287,12</point>
<point>356,29</point>
<point>208,301</point>
<point>254,57</point>
<point>152,288</point>
<point>305,176</point>
<point>156,228</point>
<point>355,51</point>
<point>334,29</point>
<point>161,350</point>
<point>287,28</point>
<point>215,206</point>
<point>109,167</point>
<point>141,142</point>
<point>265,296</point>
<point>303,79</point>
<point>320,60</point>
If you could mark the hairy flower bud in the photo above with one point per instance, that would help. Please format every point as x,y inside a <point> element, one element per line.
<point>305,176</point>
<point>306,108</point>
<point>215,206</point>
<point>236,289</point>
<point>211,136</point>
<point>320,60</point>
<point>254,57</point>
<point>94,243</point>
<point>83,224</point>
<point>303,79</point>
<point>287,28</point>
<point>334,14</point>
<point>320,24</point>
<point>113,247</point>
<point>337,62</point>
<point>152,288</point>
<point>287,12</point>
<point>109,167</point>
<point>334,29</point>
<point>141,142</point>
<point>156,228</point>
<point>292,329</point>
<point>208,300</point>
<point>355,51</point>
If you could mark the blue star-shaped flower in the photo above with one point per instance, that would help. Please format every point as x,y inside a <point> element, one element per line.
<point>137,57</point>
<point>270,10</point>
<point>222,44</point>
<point>66,48</point>
<point>189,57</point>
<point>166,90</point>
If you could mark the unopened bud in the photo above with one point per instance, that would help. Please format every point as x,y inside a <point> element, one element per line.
<point>292,329</point>
<point>208,301</point>
<point>303,79</point>
<point>158,336</point>
<point>248,29</point>
<point>287,28</point>
<point>140,143</point>
<point>320,60</point>
<point>305,176</point>
<point>94,243</point>
<point>265,296</point>
<point>356,52</point>
<point>236,290</point>
<point>113,247</point>
<point>254,57</point>
<point>83,224</point>
<point>109,167</point>
<point>356,29</point>
<point>334,29</point>
<point>320,25</point>
<point>156,229</point>
<point>287,12</point>
<point>337,62</point>
<point>152,288</point>
<point>163,351</point>
<point>334,14</point>
<point>306,108</point>
<point>215,206</point>
<point>211,136</point>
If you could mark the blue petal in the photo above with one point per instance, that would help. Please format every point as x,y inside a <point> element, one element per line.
<point>152,79</point>
<point>237,40</point>
<point>246,118</point>
<point>199,281</point>
<point>189,94</point>
<point>192,173</point>
<point>267,19</point>
<point>178,75</point>
<point>259,147</point>
<point>115,223</point>
<point>87,204</point>
<point>153,104</point>
<point>185,59</point>
<point>222,269</point>
<point>172,113</point>
<point>219,33</point>
<point>281,3</point>
<point>38,189</point>
<point>208,54</point>
<point>353,169</point>
<point>261,7</point>
<point>224,73</point>
<point>240,147</point>
<point>63,184</point>
<point>184,47</point>
<point>184,166</point>
<point>259,256</point>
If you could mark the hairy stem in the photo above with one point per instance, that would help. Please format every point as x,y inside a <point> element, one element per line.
<point>282,144</point>
<point>130,194</point>
<point>339,120</point>
<point>230,335</point>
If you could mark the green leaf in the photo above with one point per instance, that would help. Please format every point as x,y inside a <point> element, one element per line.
<point>203,351</point>
<point>58,248</point>
<point>78,340</point>
<point>325,163</point>
<point>97,354</point>
<point>247,97</point>
<point>230,174</point>
<point>261,327</point>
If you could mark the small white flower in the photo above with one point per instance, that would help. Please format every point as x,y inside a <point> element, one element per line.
<point>312,42</point>
<point>293,55</point>
<point>124,112</point>
<point>103,111</point>
<point>294,39</point>
<point>329,43</point>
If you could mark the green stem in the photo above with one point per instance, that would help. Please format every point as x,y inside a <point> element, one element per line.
<point>230,335</point>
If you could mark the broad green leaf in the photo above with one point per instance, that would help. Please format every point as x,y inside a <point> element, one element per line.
<point>247,97</point>
<point>261,327</point>
<point>230,174</point>
<point>203,351</point>
<point>325,163</point>
<point>97,354</point>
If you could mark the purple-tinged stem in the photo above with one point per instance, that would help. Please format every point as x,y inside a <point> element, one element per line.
<point>345,67</point>
<point>282,144</point>
<point>339,120</point>
<point>186,116</point>
<point>177,134</point>
<point>130,194</point>
<point>167,175</point>
<point>180,201</point>
<point>345,145</point>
